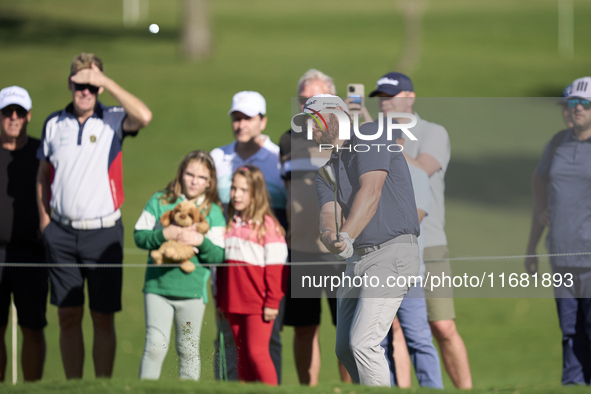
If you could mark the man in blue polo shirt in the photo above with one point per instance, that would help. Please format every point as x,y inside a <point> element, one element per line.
<point>375,201</point>
<point>562,185</point>
<point>250,146</point>
<point>80,190</point>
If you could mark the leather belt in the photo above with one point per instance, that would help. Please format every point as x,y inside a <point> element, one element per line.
<point>404,238</point>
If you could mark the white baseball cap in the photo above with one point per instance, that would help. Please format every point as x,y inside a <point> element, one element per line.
<point>15,95</point>
<point>318,103</point>
<point>321,101</point>
<point>579,88</point>
<point>249,103</point>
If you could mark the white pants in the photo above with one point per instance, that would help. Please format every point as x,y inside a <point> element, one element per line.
<point>187,315</point>
<point>365,313</point>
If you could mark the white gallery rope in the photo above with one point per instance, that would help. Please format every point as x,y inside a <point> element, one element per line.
<point>294,263</point>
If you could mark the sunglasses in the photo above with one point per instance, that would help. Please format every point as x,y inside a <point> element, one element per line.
<point>20,111</point>
<point>572,103</point>
<point>82,86</point>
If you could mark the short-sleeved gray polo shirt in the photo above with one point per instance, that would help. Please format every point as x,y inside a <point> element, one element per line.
<point>568,178</point>
<point>433,140</point>
<point>396,213</point>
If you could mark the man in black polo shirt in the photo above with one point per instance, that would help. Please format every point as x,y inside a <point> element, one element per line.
<point>375,201</point>
<point>19,238</point>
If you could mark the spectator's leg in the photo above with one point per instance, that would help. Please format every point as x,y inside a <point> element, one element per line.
<point>585,306</point>
<point>103,246</point>
<point>105,343</point>
<point>388,346</point>
<point>230,348</point>
<point>275,347</point>
<point>237,324</point>
<point>33,353</point>
<point>188,319</point>
<point>417,334</point>
<point>571,324</point>
<point>332,303</point>
<point>30,286</point>
<point>306,350</point>
<point>453,352</point>
<point>67,293</point>
<point>304,315</point>
<point>347,298</point>
<point>71,340</point>
<point>4,311</point>
<point>401,356</point>
<point>343,373</point>
<point>159,315</point>
<point>441,315</point>
<point>257,334</point>
<point>2,353</point>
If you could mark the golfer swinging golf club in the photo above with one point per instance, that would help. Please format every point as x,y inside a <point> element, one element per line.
<point>378,235</point>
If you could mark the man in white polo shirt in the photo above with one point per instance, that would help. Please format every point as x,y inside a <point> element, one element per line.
<point>79,192</point>
<point>431,152</point>
<point>251,146</point>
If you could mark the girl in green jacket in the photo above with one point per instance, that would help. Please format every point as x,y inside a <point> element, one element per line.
<point>169,293</point>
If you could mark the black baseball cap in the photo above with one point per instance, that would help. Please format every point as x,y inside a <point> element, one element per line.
<point>392,84</point>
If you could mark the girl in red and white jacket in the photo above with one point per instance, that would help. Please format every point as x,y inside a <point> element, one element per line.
<point>249,294</point>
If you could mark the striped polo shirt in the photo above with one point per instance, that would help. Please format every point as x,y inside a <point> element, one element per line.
<point>87,172</point>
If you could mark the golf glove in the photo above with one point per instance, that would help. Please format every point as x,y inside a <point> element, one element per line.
<point>348,252</point>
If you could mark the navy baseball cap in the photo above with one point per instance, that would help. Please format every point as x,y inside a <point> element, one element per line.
<point>392,84</point>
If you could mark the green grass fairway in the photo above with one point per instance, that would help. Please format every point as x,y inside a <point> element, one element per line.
<point>474,52</point>
<point>150,387</point>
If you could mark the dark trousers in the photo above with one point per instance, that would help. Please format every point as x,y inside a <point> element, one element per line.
<point>574,314</point>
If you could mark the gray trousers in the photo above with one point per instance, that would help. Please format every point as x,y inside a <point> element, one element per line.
<point>365,313</point>
<point>187,315</point>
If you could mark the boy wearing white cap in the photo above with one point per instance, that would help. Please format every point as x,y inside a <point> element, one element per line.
<point>250,146</point>
<point>19,238</point>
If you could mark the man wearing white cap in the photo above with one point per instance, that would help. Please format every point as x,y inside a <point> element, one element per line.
<point>19,237</point>
<point>562,185</point>
<point>368,216</point>
<point>250,146</point>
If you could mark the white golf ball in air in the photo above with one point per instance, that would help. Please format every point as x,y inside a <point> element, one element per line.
<point>154,28</point>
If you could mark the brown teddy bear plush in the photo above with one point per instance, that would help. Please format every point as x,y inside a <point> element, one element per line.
<point>173,252</point>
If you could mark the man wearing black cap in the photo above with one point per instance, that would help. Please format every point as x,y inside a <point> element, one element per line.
<point>19,238</point>
<point>431,152</point>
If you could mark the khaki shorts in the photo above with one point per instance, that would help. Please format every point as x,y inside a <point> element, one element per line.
<point>440,302</point>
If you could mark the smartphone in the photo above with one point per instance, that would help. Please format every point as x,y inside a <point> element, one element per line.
<point>357,92</point>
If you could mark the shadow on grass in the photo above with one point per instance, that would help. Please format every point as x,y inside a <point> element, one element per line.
<point>503,181</point>
<point>20,30</point>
